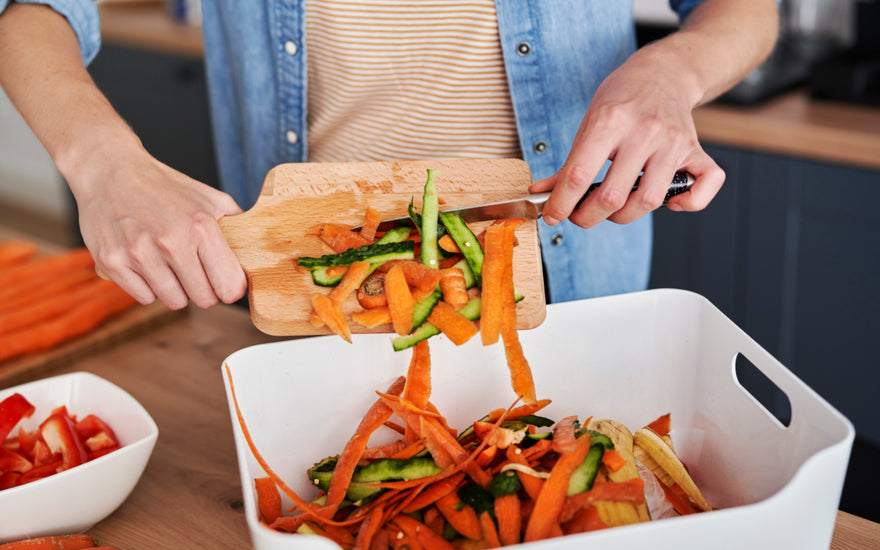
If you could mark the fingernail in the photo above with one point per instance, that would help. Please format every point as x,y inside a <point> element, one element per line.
<point>550,220</point>
<point>675,207</point>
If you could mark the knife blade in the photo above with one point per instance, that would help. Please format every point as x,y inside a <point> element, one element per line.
<point>530,207</point>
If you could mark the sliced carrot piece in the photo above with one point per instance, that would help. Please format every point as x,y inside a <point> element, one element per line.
<point>419,275</point>
<point>632,490</point>
<point>331,315</point>
<point>458,328</point>
<point>371,318</point>
<point>372,218</point>
<point>661,425</point>
<point>448,244</point>
<point>520,372</point>
<point>425,536</point>
<point>400,300</point>
<point>343,240</point>
<point>375,417</point>
<point>613,460</point>
<point>453,286</point>
<point>493,274</point>
<point>545,514</point>
<point>588,519</point>
<point>418,377</point>
<point>371,293</point>
<point>508,511</point>
<point>463,518</point>
<point>490,533</point>
<point>519,412</point>
<point>434,492</point>
<point>268,499</point>
<point>531,484</point>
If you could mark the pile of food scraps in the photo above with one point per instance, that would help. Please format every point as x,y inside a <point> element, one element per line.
<point>511,476</point>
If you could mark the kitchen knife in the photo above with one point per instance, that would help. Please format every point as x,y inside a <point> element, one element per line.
<point>531,207</point>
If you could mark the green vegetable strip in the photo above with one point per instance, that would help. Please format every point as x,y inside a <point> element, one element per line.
<point>369,252</point>
<point>466,241</point>
<point>430,209</point>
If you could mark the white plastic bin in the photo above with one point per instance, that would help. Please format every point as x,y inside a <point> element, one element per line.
<point>631,358</point>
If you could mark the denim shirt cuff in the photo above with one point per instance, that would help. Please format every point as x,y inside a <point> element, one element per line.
<point>82,15</point>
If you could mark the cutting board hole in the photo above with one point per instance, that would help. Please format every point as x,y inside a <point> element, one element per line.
<point>768,394</point>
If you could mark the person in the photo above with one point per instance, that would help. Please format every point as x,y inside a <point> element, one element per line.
<point>558,82</point>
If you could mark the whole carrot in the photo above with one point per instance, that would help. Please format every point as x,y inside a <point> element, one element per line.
<point>43,287</point>
<point>74,323</point>
<point>56,263</point>
<point>53,306</point>
<point>58,542</point>
<point>16,251</point>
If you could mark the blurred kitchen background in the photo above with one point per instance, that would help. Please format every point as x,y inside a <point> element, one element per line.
<point>790,248</point>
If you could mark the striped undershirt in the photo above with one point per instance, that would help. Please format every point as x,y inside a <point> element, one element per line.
<point>390,80</point>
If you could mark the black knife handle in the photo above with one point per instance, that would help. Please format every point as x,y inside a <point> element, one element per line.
<point>681,182</point>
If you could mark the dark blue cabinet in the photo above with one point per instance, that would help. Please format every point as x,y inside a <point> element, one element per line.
<point>790,250</point>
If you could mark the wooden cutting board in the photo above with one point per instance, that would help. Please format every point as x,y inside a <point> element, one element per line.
<point>269,237</point>
<point>130,322</point>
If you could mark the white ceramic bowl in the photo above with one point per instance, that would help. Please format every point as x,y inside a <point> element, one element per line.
<point>76,499</point>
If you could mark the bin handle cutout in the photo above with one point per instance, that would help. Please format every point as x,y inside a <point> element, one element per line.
<point>774,401</point>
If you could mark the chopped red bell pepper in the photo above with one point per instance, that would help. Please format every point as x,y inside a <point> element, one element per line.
<point>13,462</point>
<point>59,433</point>
<point>12,410</point>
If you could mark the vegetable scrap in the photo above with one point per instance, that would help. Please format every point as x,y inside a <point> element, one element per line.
<point>62,441</point>
<point>438,278</point>
<point>511,476</point>
<point>47,300</point>
<point>56,542</point>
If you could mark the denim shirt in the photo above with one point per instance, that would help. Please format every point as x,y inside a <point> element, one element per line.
<point>556,53</point>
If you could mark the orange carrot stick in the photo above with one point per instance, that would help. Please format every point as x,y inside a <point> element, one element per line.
<point>400,300</point>
<point>453,286</point>
<point>548,505</point>
<point>15,252</point>
<point>331,315</point>
<point>426,537</point>
<point>661,425</point>
<point>463,518</point>
<point>268,499</point>
<point>372,217</point>
<point>490,533</point>
<point>418,377</point>
<point>613,460</point>
<point>373,317</point>
<point>493,274</point>
<point>458,328</point>
<point>348,460</point>
<point>588,519</point>
<point>508,511</point>
<point>434,492</point>
<point>519,412</point>
<point>447,243</point>
<point>66,326</point>
<point>520,372</point>
<point>368,529</point>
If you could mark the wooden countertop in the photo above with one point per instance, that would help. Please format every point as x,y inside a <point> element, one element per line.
<point>790,124</point>
<point>190,495</point>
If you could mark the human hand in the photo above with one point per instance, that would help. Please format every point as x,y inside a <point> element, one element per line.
<point>154,231</point>
<point>640,118</point>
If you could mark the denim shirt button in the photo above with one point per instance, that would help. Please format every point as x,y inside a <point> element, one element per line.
<point>290,47</point>
<point>556,239</point>
<point>292,137</point>
<point>540,146</point>
<point>523,48</point>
